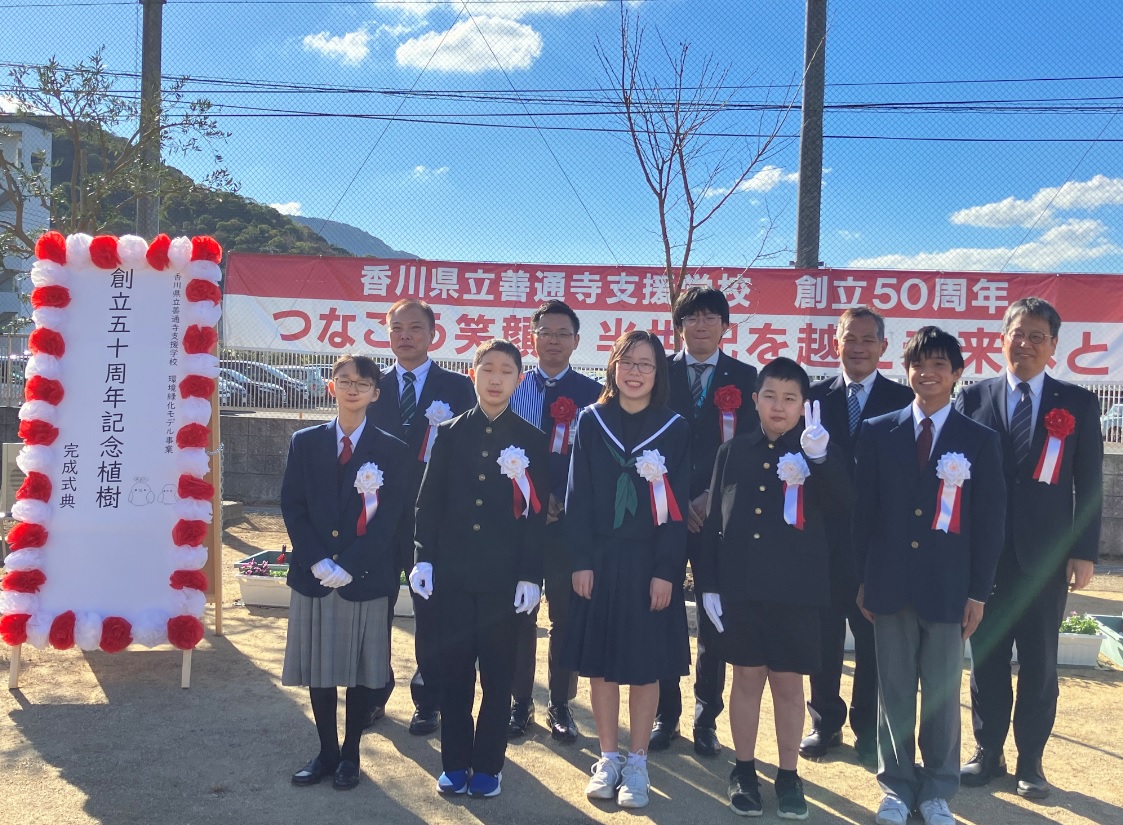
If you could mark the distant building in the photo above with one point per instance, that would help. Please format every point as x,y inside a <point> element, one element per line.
<point>27,146</point>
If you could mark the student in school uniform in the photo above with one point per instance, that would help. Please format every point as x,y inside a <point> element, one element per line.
<point>764,572</point>
<point>928,530</point>
<point>345,501</point>
<point>479,522</point>
<point>550,397</point>
<point>625,518</point>
<point>416,392</point>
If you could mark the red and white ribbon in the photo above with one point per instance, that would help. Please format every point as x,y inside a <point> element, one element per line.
<point>370,505</point>
<point>953,469</point>
<point>559,442</point>
<point>427,444</point>
<point>1049,464</point>
<point>664,508</point>
<point>792,469</point>
<point>367,481</point>
<point>437,412</point>
<point>525,496</point>
<point>728,425</point>
<point>793,505</point>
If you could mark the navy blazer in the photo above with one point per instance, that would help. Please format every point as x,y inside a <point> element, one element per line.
<point>901,559</point>
<point>321,508</point>
<point>705,424</point>
<point>1047,524</point>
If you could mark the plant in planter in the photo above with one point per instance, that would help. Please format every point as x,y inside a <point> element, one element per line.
<point>1080,641</point>
<point>261,578</point>
<point>1084,625</point>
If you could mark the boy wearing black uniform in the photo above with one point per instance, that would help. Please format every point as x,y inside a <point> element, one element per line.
<point>480,516</point>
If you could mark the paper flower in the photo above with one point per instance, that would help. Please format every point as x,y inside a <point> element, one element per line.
<point>953,469</point>
<point>513,462</point>
<point>651,466</point>
<point>369,478</point>
<point>1060,423</point>
<point>563,410</point>
<point>728,398</point>
<point>437,412</point>
<point>792,469</point>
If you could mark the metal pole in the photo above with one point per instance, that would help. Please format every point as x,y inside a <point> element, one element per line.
<point>148,205</point>
<point>811,137</point>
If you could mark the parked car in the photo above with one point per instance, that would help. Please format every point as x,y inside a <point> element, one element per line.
<point>312,377</point>
<point>1111,425</point>
<point>296,392</point>
<point>258,393</point>
<point>231,393</point>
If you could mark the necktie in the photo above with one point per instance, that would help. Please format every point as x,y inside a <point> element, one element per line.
<point>697,388</point>
<point>1021,423</point>
<point>409,398</point>
<point>345,453</point>
<point>924,443</point>
<point>542,381</point>
<point>853,408</point>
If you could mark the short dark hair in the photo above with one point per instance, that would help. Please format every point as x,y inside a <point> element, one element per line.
<point>415,303</point>
<point>931,341</point>
<point>785,369</point>
<point>854,313</point>
<point>700,299</point>
<point>625,344</point>
<point>1039,308</point>
<point>556,308</point>
<point>498,345</point>
<point>365,366</point>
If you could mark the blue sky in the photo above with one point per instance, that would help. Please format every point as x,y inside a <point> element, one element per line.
<point>995,201</point>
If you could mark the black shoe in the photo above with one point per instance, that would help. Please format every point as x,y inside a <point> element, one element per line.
<point>346,776</point>
<point>985,765</point>
<point>866,748</point>
<point>312,773</point>
<point>560,720</point>
<point>376,713</point>
<point>661,735</point>
<point>1032,783</point>
<point>790,801</point>
<point>705,741</point>
<point>522,715</point>
<point>816,744</point>
<point>424,722</point>
<point>744,794</point>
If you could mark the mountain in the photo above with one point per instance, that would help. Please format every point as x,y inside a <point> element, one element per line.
<point>354,240</point>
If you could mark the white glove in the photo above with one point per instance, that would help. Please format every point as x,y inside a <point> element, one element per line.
<point>323,568</point>
<point>331,574</point>
<point>341,578</point>
<point>527,596</point>
<point>815,437</point>
<point>711,603</point>
<point>421,579</point>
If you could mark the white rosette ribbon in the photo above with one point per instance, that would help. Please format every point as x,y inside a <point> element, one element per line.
<point>437,412</point>
<point>953,469</point>
<point>652,468</point>
<point>513,462</point>
<point>367,481</point>
<point>793,471</point>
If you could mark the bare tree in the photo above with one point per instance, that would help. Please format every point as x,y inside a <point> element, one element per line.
<point>691,170</point>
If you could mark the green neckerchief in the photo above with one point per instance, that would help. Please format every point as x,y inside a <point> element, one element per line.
<point>626,500</point>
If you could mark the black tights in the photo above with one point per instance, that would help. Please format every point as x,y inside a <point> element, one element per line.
<point>324,701</point>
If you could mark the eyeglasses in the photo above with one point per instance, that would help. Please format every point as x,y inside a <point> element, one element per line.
<point>556,337</point>
<point>701,320</point>
<point>642,367</point>
<point>346,384</point>
<point>1036,338</point>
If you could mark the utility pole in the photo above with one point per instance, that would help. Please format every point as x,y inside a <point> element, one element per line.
<point>148,205</point>
<point>811,137</point>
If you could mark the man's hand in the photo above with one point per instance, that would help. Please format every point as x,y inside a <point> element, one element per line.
<point>861,600</point>
<point>554,509</point>
<point>697,514</point>
<point>583,583</point>
<point>972,615</point>
<point>1079,573</point>
<point>660,594</point>
<point>527,596</point>
<point>711,603</point>
<point>421,579</point>
<point>814,438</point>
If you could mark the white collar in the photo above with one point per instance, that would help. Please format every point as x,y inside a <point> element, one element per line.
<point>938,417</point>
<point>419,373</point>
<point>710,362</point>
<point>1036,384</point>
<point>557,377</point>
<point>866,383</point>
<point>355,436</point>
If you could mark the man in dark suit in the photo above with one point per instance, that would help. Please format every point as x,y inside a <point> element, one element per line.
<point>713,392</point>
<point>410,388</point>
<point>1052,541</point>
<point>551,387</point>
<point>858,393</point>
<point>927,532</point>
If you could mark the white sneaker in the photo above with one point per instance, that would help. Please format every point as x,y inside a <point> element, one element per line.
<point>633,787</point>
<point>606,778</point>
<point>892,811</point>
<point>936,812</point>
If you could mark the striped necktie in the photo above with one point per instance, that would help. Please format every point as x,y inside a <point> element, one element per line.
<point>1021,423</point>
<point>409,398</point>
<point>853,408</point>
<point>697,387</point>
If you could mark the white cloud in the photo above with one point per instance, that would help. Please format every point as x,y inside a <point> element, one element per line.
<point>847,235</point>
<point>767,179</point>
<point>1044,204</point>
<point>463,49</point>
<point>349,49</point>
<point>290,208</point>
<point>427,173</point>
<point>510,9</point>
<point>1070,242</point>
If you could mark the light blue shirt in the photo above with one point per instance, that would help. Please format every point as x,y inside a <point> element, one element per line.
<point>867,387</point>
<point>355,436</point>
<point>1014,395</point>
<point>419,376</point>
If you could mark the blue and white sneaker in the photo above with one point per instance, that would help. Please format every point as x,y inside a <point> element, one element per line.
<point>484,784</point>
<point>452,782</point>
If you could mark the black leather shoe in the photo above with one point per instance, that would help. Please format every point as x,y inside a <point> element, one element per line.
<point>816,744</point>
<point>866,749</point>
<point>376,713</point>
<point>424,722</point>
<point>705,742</point>
<point>661,735</point>
<point>1032,783</point>
<point>560,720</point>
<point>985,765</point>
<point>312,773</point>
<point>346,776</point>
<point>522,714</point>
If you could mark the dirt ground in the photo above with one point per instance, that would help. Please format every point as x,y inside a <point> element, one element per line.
<point>94,738</point>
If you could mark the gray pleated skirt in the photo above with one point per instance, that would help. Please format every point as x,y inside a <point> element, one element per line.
<point>336,643</point>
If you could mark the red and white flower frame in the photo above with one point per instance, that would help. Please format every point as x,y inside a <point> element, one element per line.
<point>24,619</point>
